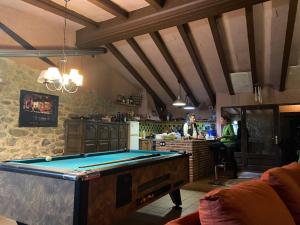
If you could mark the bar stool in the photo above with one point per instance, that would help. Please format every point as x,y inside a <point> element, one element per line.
<point>222,165</point>
<point>226,160</point>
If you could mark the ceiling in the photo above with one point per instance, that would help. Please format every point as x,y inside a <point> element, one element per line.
<point>270,24</point>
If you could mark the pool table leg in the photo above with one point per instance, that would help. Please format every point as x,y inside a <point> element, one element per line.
<point>19,223</point>
<point>176,198</point>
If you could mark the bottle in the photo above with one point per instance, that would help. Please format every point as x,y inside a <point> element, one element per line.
<point>131,100</point>
<point>123,100</point>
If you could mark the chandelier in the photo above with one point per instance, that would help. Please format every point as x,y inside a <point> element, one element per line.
<point>57,78</point>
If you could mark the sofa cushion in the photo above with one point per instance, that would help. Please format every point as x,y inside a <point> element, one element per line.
<point>248,203</point>
<point>293,165</point>
<point>190,219</point>
<point>286,182</point>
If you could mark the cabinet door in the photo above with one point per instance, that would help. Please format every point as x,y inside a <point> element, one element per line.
<point>114,131</point>
<point>103,146</point>
<point>114,144</point>
<point>103,132</point>
<point>123,144</point>
<point>73,145</point>
<point>73,137</point>
<point>90,131</point>
<point>123,131</point>
<point>73,127</point>
<point>90,146</point>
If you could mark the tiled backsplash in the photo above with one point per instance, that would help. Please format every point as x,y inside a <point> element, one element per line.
<point>153,127</point>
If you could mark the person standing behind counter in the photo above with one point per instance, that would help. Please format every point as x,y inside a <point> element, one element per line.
<point>190,128</point>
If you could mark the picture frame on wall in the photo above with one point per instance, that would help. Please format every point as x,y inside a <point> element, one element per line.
<point>38,109</point>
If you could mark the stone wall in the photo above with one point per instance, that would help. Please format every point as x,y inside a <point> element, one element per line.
<point>18,142</point>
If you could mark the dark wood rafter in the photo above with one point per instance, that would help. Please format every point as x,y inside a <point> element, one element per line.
<point>171,62</point>
<point>111,7</point>
<point>23,42</point>
<point>288,42</point>
<point>148,19</point>
<point>251,41</point>
<point>59,10</point>
<point>217,39</point>
<point>157,4</point>
<point>135,46</point>
<point>191,46</point>
<point>135,74</point>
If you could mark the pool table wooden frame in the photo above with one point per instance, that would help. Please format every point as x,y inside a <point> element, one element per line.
<point>37,196</point>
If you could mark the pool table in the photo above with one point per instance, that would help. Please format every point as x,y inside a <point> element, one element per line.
<point>89,189</point>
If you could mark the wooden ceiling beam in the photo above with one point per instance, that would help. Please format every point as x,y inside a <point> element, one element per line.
<point>111,7</point>
<point>251,41</point>
<point>191,46</point>
<point>288,42</point>
<point>60,11</point>
<point>172,64</point>
<point>217,39</point>
<point>148,19</point>
<point>157,4</point>
<point>135,74</point>
<point>23,42</point>
<point>135,46</point>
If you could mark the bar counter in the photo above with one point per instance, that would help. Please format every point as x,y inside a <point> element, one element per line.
<point>201,159</point>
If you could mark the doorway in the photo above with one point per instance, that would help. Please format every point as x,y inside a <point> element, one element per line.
<point>258,143</point>
<point>290,132</point>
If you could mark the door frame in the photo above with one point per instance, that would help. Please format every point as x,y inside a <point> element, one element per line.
<point>244,142</point>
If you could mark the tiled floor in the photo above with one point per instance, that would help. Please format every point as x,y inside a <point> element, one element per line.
<point>158,212</point>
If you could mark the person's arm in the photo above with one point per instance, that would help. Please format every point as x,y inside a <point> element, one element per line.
<point>228,133</point>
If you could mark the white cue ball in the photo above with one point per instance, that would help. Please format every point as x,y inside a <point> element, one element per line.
<point>48,158</point>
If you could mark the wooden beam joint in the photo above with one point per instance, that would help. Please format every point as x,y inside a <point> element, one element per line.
<point>111,7</point>
<point>60,10</point>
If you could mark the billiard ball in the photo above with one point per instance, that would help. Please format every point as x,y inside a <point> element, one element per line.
<point>48,158</point>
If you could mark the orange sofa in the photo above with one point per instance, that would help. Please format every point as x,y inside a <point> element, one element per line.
<point>274,199</point>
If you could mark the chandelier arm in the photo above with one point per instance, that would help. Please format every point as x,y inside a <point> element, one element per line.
<point>70,91</point>
<point>49,88</point>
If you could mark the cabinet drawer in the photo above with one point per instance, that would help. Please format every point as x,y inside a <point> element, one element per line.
<point>123,144</point>
<point>114,145</point>
<point>90,146</point>
<point>103,146</point>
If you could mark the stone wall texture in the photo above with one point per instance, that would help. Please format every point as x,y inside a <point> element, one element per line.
<point>17,142</point>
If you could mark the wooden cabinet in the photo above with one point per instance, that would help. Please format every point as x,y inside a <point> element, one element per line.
<point>146,144</point>
<point>89,136</point>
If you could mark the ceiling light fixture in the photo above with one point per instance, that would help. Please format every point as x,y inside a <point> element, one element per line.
<point>189,106</point>
<point>179,102</point>
<point>57,78</point>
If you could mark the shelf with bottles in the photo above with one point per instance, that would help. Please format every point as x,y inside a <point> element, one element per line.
<point>131,101</point>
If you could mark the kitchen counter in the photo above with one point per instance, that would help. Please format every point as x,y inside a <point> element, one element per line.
<point>201,159</point>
